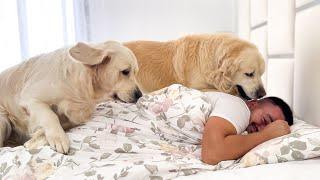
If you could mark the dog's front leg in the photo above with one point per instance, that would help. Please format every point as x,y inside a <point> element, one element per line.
<point>42,115</point>
<point>5,129</point>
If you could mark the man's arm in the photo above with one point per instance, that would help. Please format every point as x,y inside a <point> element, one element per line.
<point>220,140</point>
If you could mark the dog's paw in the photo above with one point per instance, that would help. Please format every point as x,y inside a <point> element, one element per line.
<point>36,141</point>
<point>59,141</point>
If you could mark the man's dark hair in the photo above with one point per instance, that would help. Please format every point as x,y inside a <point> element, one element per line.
<point>285,108</point>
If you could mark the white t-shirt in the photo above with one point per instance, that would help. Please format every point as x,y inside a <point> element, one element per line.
<point>231,108</point>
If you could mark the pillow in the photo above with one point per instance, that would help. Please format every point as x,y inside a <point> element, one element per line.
<point>302,143</point>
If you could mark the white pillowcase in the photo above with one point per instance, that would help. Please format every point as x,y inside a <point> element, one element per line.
<point>302,143</point>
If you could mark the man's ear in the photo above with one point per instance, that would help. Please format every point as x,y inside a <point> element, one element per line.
<point>252,104</point>
<point>88,55</point>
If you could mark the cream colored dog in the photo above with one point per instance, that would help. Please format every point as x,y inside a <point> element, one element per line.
<point>52,92</point>
<point>218,62</point>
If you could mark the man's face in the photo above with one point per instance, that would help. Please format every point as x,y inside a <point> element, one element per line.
<point>262,114</point>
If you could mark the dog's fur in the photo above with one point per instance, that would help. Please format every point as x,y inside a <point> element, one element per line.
<point>41,97</point>
<point>218,62</point>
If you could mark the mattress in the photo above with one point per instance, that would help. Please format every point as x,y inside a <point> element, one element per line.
<point>294,170</point>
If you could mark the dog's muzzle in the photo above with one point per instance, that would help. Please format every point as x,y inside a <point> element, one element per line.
<point>242,93</point>
<point>260,92</point>
<point>137,94</point>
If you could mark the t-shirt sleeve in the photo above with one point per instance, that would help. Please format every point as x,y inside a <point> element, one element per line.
<point>233,110</point>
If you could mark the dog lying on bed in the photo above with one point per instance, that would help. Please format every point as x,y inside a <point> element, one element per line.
<point>51,92</point>
<point>218,62</point>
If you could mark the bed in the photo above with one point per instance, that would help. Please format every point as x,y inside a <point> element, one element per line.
<point>156,138</point>
<point>101,149</point>
<point>297,170</point>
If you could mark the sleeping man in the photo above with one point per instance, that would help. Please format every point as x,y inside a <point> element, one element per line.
<point>263,119</point>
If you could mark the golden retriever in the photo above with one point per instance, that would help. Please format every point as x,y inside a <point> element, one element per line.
<point>219,62</point>
<point>51,92</point>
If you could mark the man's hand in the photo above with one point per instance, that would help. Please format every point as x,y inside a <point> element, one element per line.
<point>220,140</point>
<point>276,129</point>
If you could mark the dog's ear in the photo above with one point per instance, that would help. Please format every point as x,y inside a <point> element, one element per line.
<point>88,55</point>
<point>222,76</point>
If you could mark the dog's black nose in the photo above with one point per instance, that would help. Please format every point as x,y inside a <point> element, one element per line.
<point>260,92</point>
<point>137,94</point>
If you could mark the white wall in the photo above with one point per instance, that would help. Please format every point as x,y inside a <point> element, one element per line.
<point>9,35</point>
<point>125,20</point>
<point>29,32</point>
<point>287,33</point>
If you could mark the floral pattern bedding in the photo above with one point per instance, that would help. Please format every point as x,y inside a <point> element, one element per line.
<point>157,138</point>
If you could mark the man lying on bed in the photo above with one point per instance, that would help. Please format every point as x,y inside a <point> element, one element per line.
<point>264,119</point>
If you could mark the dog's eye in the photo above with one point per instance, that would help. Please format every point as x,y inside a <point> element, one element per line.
<point>249,74</point>
<point>126,72</point>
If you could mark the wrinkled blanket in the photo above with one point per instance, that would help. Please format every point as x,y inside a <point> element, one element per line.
<point>157,138</point>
